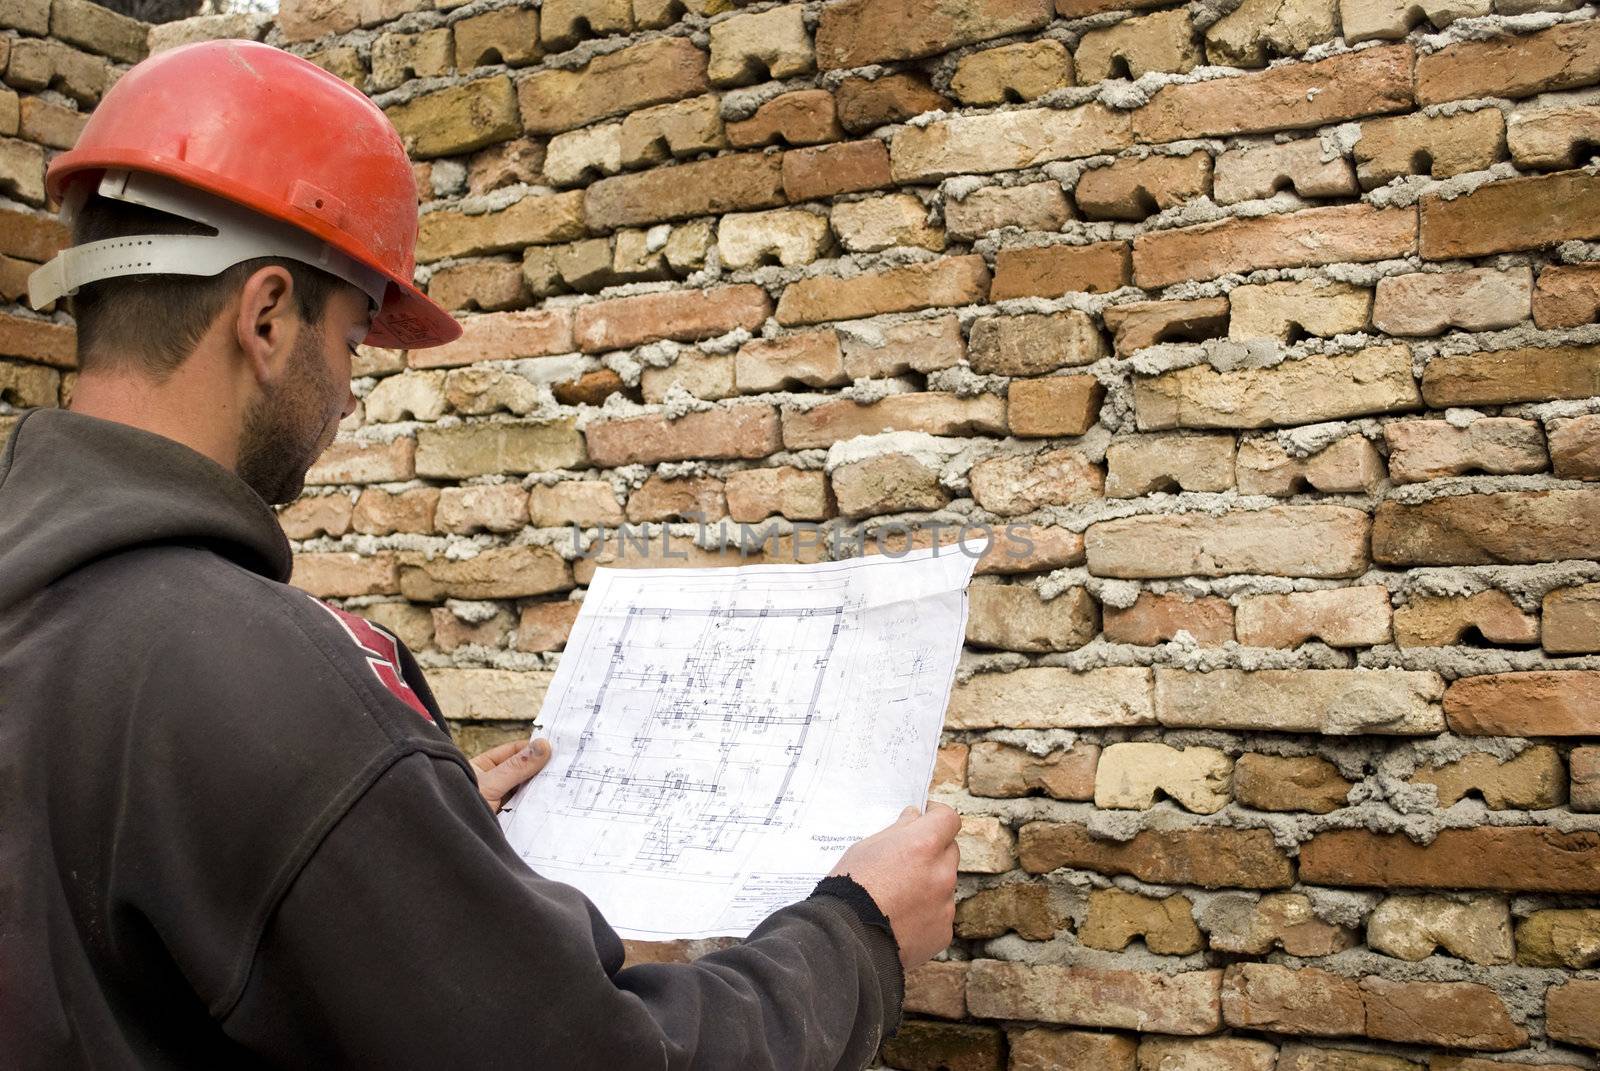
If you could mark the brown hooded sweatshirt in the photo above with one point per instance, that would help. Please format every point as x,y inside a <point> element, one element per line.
<point>234,832</point>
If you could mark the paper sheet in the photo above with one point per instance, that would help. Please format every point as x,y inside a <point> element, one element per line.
<point>721,736</point>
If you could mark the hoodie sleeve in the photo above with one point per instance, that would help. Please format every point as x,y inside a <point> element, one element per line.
<point>415,937</point>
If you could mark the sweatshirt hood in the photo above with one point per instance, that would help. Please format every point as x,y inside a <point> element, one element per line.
<point>74,488</point>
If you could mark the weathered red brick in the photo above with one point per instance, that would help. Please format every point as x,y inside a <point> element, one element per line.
<point>926,1046</point>
<point>1572,1012</point>
<point>1566,295</point>
<point>804,117</point>
<point>737,183</point>
<point>683,315</point>
<point>1292,96</point>
<point>1538,703</point>
<point>1185,1003</point>
<point>1520,859</point>
<point>812,174</point>
<point>1211,857</point>
<point>43,341</point>
<point>651,72</point>
<point>1460,1015</point>
<point>1155,618</point>
<point>1057,270</point>
<point>949,281</point>
<point>496,573</point>
<point>31,236</point>
<point>360,462</point>
<point>1518,213</point>
<point>1562,57</point>
<point>867,103</point>
<point>1517,527</point>
<point>1499,377</point>
<point>934,413</point>
<point>340,575</point>
<point>501,336</point>
<point>856,33</point>
<point>1309,237</point>
<point>1284,1000</point>
<point>747,431</point>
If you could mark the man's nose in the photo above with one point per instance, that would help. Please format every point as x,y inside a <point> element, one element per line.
<point>350,403</point>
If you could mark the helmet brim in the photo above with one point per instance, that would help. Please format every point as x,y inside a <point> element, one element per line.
<point>410,320</point>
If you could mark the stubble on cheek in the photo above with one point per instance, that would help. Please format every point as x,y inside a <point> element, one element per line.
<point>286,430</point>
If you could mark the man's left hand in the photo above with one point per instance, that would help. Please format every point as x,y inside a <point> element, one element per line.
<point>504,769</point>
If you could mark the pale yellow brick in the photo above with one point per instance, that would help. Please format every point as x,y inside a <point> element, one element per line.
<point>1439,620</point>
<point>784,236</point>
<point>490,508</point>
<point>1534,780</point>
<point>1169,463</point>
<point>410,395</point>
<point>987,846</point>
<point>704,375</point>
<point>1304,166</point>
<point>1130,775</point>
<point>1350,465</point>
<point>1312,541</point>
<point>1132,48</point>
<point>399,57</point>
<point>672,131</point>
<point>1011,74</point>
<point>1441,146</point>
<point>1339,617</point>
<point>1552,136</point>
<point>1013,617</point>
<point>578,157</point>
<point>1313,306</point>
<point>1302,391</point>
<point>1477,929</point>
<point>899,219</point>
<point>1259,31</point>
<point>1114,918</point>
<point>580,502</point>
<point>1391,20</point>
<point>754,48</point>
<point>563,23</point>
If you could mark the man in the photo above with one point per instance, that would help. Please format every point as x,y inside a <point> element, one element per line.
<point>233,829</point>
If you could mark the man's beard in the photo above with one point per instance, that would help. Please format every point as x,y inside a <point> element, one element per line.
<point>289,427</point>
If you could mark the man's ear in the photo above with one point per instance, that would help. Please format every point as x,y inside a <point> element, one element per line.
<point>267,323</point>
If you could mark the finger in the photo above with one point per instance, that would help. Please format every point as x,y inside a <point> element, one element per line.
<point>496,755</point>
<point>502,779</point>
<point>910,814</point>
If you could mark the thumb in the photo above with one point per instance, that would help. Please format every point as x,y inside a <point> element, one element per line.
<point>499,781</point>
<point>910,814</point>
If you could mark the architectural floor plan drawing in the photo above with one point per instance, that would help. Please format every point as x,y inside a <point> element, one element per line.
<point>722,735</point>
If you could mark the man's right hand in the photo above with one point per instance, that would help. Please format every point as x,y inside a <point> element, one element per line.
<point>910,870</point>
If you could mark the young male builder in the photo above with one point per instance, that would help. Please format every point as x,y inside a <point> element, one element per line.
<point>233,829</point>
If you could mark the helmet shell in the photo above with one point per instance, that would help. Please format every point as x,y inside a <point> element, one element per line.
<point>276,133</point>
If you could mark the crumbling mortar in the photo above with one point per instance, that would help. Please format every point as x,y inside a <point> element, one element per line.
<point>1491,27</point>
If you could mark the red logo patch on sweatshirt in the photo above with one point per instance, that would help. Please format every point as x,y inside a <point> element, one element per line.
<point>382,652</point>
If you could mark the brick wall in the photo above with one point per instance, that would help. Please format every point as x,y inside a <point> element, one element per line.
<point>1279,744</point>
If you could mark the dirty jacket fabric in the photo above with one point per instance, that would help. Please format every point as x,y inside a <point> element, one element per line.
<point>234,832</point>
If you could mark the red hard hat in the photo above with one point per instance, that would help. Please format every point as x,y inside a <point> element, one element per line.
<point>268,130</point>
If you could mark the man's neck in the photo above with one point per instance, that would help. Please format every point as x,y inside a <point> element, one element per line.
<point>171,409</point>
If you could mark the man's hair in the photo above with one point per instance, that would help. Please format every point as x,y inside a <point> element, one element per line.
<point>153,322</point>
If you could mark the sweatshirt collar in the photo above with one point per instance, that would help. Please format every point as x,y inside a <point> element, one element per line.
<point>75,487</point>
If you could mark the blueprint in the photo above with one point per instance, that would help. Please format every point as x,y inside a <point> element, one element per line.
<point>721,736</point>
